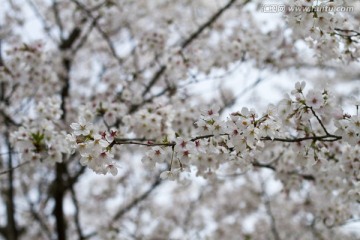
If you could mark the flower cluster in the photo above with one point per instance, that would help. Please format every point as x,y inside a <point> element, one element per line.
<point>233,142</point>
<point>93,147</point>
<point>39,139</point>
<point>27,66</point>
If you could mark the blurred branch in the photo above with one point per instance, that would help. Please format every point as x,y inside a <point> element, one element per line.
<point>234,99</point>
<point>132,204</point>
<point>104,35</point>
<point>207,24</point>
<point>46,27</point>
<point>57,19</point>
<point>268,166</point>
<point>189,40</point>
<point>137,200</point>
<point>13,168</point>
<point>35,214</point>
<point>11,229</point>
<point>270,213</point>
<point>77,213</point>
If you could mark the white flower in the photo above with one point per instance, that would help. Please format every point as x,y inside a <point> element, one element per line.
<point>210,113</point>
<point>99,143</point>
<point>112,169</point>
<point>299,87</point>
<point>82,127</point>
<point>86,159</point>
<point>158,154</point>
<point>71,138</point>
<point>314,99</point>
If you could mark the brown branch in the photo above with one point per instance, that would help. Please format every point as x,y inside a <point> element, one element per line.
<point>137,200</point>
<point>57,19</point>
<point>273,168</point>
<point>320,122</point>
<point>353,32</point>
<point>12,231</point>
<point>13,168</point>
<point>8,119</point>
<point>46,27</point>
<point>135,141</point>
<point>85,37</point>
<point>324,138</point>
<point>100,30</point>
<point>155,78</point>
<point>132,204</point>
<point>73,36</point>
<point>270,213</point>
<point>59,191</point>
<point>77,213</point>
<point>35,214</point>
<point>149,144</point>
<point>189,40</point>
<point>1,56</point>
<point>208,23</point>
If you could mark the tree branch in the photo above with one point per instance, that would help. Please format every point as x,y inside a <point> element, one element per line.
<point>132,204</point>
<point>13,168</point>
<point>189,40</point>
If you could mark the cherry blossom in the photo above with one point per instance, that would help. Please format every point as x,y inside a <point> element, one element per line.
<point>147,119</point>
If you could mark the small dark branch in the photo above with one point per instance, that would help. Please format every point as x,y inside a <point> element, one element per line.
<point>57,19</point>
<point>46,27</point>
<point>257,164</point>
<point>77,213</point>
<point>120,141</point>
<point>131,205</point>
<point>34,213</point>
<point>13,168</point>
<point>207,24</point>
<point>268,166</point>
<point>189,40</point>
<point>8,119</point>
<point>236,98</point>
<point>133,139</point>
<point>100,30</point>
<point>149,144</point>
<point>325,138</point>
<point>137,200</point>
<point>66,87</point>
<point>307,177</point>
<point>207,136</point>
<point>12,231</point>
<point>135,107</point>
<point>319,120</point>
<point>156,77</point>
<point>349,33</point>
<point>1,57</point>
<point>72,180</point>
<point>267,203</point>
<point>83,40</point>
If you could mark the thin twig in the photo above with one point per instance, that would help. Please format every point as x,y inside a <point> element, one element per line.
<point>321,123</point>
<point>131,205</point>
<point>77,213</point>
<point>13,168</point>
<point>269,211</point>
<point>100,30</point>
